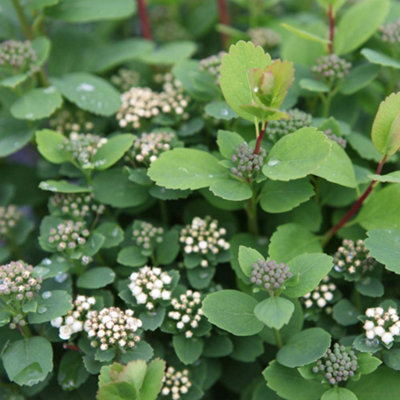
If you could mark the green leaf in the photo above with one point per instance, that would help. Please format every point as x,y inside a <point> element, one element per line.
<point>278,197</point>
<point>304,348</point>
<point>297,155</point>
<point>358,78</point>
<point>92,10</point>
<point>384,246</point>
<point>247,349</point>
<point>248,256</point>
<point>131,257</point>
<point>111,151</point>
<point>37,104</point>
<point>383,384</point>
<point>113,234</point>
<point>290,385</point>
<point>274,312</point>
<point>370,287</point>
<point>304,34</point>
<point>345,313</point>
<point>28,361</point>
<point>49,145</point>
<point>290,240</point>
<point>117,391</point>
<point>391,358</point>
<point>376,57</point>
<point>117,53</point>
<point>71,372</point>
<point>170,53</point>
<point>310,270</point>
<point>167,251</point>
<point>386,126</point>
<point>314,86</point>
<point>42,46</point>
<point>234,75</point>
<point>382,209</point>
<point>337,167</point>
<point>358,24</point>
<point>141,351</point>
<point>63,187</point>
<point>228,142</point>
<point>367,363</point>
<point>231,189</point>
<point>338,393</point>
<point>89,92</point>
<point>186,169</point>
<point>187,350</point>
<point>232,311</point>
<point>220,110</point>
<point>153,380</point>
<point>363,146</point>
<point>124,193</point>
<point>14,135</point>
<point>51,305</point>
<point>217,346</point>
<point>96,278</point>
<point>392,177</point>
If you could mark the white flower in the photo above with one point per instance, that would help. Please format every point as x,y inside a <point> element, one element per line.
<point>65,332</point>
<point>370,312</point>
<point>368,325</point>
<point>56,322</point>
<point>387,338</point>
<point>370,334</point>
<point>379,331</point>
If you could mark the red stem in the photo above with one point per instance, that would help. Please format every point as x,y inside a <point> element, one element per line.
<point>223,19</point>
<point>331,17</point>
<point>260,138</point>
<point>71,347</point>
<point>356,206</point>
<point>144,19</point>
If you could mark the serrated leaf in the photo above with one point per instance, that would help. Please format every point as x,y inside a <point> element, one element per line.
<point>220,110</point>
<point>28,361</point>
<point>14,135</point>
<point>290,240</point>
<point>234,75</point>
<point>392,177</point>
<point>49,145</point>
<point>367,363</point>
<point>71,372</point>
<point>96,278</point>
<point>186,169</point>
<point>345,313</point>
<point>358,78</point>
<point>246,257</point>
<point>153,380</point>
<point>313,85</point>
<point>304,34</point>
<point>339,393</point>
<point>63,187</point>
<point>187,350</point>
<point>228,142</point>
<point>231,189</point>
<point>297,155</point>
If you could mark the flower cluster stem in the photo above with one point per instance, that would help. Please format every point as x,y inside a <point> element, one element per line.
<point>356,206</point>
<point>278,338</point>
<point>260,138</point>
<point>251,209</point>
<point>25,26</point>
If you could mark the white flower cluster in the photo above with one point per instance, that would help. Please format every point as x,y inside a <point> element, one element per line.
<point>83,147</point>
<point>9,216</point>
<point>203,236</point>
<point>125,78</point>
<point>187,312</point>
<point>77,205</point>
<point>322,295</point>
<point>146,235</point>
<point>212,65</point>
<point>73,322</point>
<point>149,146</point>
<point>175,383</point>
<point>66,121</point>
<point>382,324</point>
<point>17,57</point>
<point>112,327</point>
<point>150,286</point>
<point>264,37</point>
<point>68,235</point>
<point>142,103</point>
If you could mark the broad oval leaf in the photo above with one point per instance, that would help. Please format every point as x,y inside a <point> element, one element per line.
<point>274,312</point>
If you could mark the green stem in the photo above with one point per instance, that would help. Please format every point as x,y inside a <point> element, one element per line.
<point>278,338</point>
<point>164,212</point>
<point>327,106</point>
<point>251,210</point>
<point>25,331</point>
<point>26,28</point>
<point>79,269</point>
